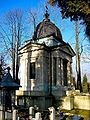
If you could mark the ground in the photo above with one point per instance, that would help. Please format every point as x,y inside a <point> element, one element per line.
<point>83,113</point>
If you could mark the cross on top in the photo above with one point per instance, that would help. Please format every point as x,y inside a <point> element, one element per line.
<point>46,14</point>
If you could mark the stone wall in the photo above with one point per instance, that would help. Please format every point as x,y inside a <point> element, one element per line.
<point>77,101</point>
<point>82,102</point>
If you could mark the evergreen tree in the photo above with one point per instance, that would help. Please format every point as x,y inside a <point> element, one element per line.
<point>75,9</point>
<point>85,84</point>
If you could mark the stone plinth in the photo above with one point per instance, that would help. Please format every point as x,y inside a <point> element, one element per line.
<point>72,92</point>
<point>82,102</point>
<point>68,103</point>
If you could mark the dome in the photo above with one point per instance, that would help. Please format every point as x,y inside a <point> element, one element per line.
<point>47,28</point>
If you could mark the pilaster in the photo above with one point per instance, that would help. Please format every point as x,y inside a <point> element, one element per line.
<point>59,82</point>
<point>69,72</point>
<point>62,82</point>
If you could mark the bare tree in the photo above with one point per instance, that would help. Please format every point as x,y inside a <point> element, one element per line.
<point>2,67</point>
<point>12,32</point>
<point>35,16</point>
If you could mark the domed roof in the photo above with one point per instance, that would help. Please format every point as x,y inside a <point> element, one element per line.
<point>47,28</point>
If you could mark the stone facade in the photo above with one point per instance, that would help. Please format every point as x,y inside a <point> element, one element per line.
<point>42,56</point>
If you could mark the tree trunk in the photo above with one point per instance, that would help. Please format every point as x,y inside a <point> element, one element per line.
<point>78,68</point>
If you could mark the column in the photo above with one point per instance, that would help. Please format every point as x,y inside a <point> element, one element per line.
<point>52,70</point>
<point>62,82</point>
<point>59,71</point>
<point>69,72</point>
<point>71,76</point>
<point>42,67</point>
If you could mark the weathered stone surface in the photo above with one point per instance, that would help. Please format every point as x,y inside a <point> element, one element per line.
<point>68,103</point>
<point>76,101</point>
<point>82,102</point>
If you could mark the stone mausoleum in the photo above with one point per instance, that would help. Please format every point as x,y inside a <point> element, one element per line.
<point>45,67</point>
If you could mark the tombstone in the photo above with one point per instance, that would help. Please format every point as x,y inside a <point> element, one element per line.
<point>15,115</point>
<point>38,116</point>
<point>31,112</point>
<point>52,113</point>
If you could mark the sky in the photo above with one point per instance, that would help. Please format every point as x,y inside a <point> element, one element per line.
<point>24,4</point>
<point>67,28</point>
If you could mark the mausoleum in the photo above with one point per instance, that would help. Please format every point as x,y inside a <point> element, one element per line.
<point>45,66</point>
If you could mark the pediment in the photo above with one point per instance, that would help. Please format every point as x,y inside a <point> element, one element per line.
<point>68,49</point>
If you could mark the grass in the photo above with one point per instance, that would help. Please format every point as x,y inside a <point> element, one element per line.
<point>84,113</point>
